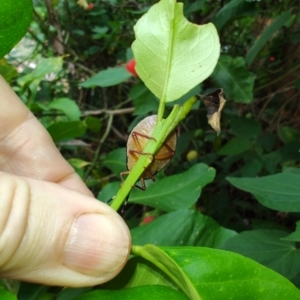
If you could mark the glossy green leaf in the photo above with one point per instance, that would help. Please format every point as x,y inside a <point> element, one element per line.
<point>61,131</point>
<point>266,35</point>
<point>15,18</point>
<point>155,292</point>
<point>182,228</point>
<point>294,236</point>
<point>137,272</point>
<point>235,146</point>
<point>280,191</point>
<point>173,55</point>
<point>210,274</point>
<point>68,106</point>
<point>175,192</point>
<point>233,76</point>
<point>116,161</point>
<point>268,248</point>
<point>106,78</point>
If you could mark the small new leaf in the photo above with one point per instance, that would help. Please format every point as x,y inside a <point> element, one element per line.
<point>214,104</point>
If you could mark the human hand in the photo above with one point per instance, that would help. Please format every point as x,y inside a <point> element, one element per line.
<point>52,230</point>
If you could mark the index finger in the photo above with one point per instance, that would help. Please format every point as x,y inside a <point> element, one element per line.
<point>26,148</point>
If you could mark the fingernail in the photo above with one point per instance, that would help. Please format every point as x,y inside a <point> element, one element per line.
<point>97,245</point>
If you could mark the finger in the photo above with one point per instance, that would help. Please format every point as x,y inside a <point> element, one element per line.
<point>27,149</point>
<point>52,235</point>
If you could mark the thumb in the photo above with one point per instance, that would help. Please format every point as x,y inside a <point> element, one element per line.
<point>53,235</point>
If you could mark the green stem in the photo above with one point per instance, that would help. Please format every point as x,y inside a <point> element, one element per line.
<point>161,131</point>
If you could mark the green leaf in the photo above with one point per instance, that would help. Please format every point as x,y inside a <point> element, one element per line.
<point>175,192</point>
<point>266,35</point>
<point>108,191</point>
<point>271,160</point>
<point>233,10</point>
<point>144,101</point>
<point>155,292</point>
<point>7,295</point>
<point>235,146</point>
<point>252,168</point>
<point>288,134</point>
<point>116,161</point>
<point>44,67</point>
<point>173,55</point>
<point>62,131</point>
<point>137,272</point>
<point>294,236</point>
<point>7,71</point>
<point>15,18</point>
<point>204,273</point>
<point>108,77</point>
<point>68,106</point>
<point>232,75</point>
<point>78,163</point>
<point>71,293</point>
<point>268,248</point>
<point>93,124</point>
<point>246,128</point>
<point>279,192</point>
<point>184,228</point>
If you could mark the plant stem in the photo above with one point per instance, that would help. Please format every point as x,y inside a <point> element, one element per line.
<point>161,131</point>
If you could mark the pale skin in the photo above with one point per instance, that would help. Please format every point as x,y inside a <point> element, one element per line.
<point>52,230</point>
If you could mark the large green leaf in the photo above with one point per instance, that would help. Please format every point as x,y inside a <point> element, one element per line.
<point>184,228</point>
<point>267,248</point>
<point>175,192</point>
<point>15,17</point>
<point>232,75</point>
<point>137,272</point>
<point>280,191</point>
<point>266,35</point>
<point>210,274</point>
<point>173,55</point>
<point>105,78</point>
<point>155,292</point>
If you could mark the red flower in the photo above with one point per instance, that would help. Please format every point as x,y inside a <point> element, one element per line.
<point>148,219</point>
<point>130,67</point>
<point>272,58</point>
<point>91,6</point>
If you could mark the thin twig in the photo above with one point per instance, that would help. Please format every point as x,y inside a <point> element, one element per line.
<point>109,112</point>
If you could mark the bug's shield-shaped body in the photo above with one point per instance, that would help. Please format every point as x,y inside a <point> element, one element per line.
<point>137,141</point>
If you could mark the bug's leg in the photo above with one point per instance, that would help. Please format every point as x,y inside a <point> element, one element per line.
<point>167,155</point>
<point>143,187</point>
<point>135,135</point>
